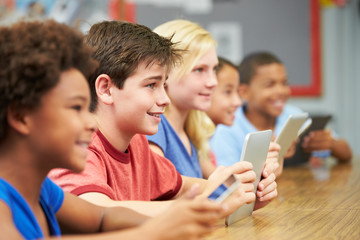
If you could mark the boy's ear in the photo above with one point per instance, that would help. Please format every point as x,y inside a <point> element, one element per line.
<point>243,90</point>
<point>17,121</point>
<point>103,86</point>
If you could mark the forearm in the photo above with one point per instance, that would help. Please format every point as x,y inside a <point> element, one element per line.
<point>148,208</point>
<point>132,233</point>
<point>188,182</point>
<point>341,150</point>
<point>121,218</point>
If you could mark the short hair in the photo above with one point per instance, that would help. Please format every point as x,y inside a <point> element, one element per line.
<point>223,62</point>
<point>120,47</point>
<point>32,57</point>
<point>251,62</point>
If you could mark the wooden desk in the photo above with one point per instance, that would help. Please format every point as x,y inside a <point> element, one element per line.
<point>308,206</point>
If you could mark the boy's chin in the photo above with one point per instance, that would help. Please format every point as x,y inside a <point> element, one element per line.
<point>151,131</point>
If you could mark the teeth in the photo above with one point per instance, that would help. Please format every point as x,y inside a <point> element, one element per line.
<point>85,145</point>
<point>155,115</point>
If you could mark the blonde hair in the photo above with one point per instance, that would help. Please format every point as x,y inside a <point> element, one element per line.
<point>195,41</point>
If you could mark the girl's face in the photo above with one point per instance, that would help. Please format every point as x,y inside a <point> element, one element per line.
<point>61,128</point>
<point>225,99</point>
<point>194,90</point>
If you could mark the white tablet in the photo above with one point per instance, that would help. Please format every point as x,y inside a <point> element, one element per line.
<point>290,132</point>
<point>255,150</point>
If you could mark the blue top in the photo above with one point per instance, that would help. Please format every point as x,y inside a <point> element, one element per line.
<point>227,142</point>
<point>51,199</point>
<point>174,150</point>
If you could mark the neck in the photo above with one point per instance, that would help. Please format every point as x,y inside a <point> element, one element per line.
<point>106,122</point>
<point>261,121</point>
<point>22,169</point>
<point>176,118</point>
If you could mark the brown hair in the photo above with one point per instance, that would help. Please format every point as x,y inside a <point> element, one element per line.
<point>33,55</point>
<point>251,62</point>
<point>121,46</point>
<point>222,62</point>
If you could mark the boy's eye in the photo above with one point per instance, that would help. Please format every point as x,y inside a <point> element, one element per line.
<point>151,85</point>
<point>269,84</point>
<point>77,107</point>
<point>286,83</point>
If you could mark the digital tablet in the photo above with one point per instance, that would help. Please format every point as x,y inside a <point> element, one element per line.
<point>255,150</point>
<point>225,189</point>
<point>290,132</point>
<point>318,122</point>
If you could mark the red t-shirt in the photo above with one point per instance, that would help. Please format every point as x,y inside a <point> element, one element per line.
<point>138,174</point>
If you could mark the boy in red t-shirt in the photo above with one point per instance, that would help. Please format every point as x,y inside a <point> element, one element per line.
<point>128,96</point>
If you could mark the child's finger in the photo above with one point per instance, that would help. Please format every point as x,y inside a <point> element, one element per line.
<point>240,167</point>
<point>245,177</point>
<point>266,181</point>
<point>269,193</point>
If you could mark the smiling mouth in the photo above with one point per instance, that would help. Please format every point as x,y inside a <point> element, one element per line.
<point>155,114</point>
<point>83,144</point>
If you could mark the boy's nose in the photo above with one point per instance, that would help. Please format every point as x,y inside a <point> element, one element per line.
<point>163,98</point>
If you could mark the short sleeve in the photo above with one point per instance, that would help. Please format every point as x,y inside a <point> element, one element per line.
<point>165,179</point>
<point>52,194</point>
<point>92,179</point>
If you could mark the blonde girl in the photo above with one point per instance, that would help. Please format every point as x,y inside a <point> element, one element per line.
<point>182,136</point>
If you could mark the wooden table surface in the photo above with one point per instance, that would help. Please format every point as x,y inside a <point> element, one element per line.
<point>312,203</point>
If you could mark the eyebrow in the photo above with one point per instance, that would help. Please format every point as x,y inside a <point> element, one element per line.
<point>78,97</point>
<point>158,77</point>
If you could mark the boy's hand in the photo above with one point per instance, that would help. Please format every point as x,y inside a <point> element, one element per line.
<point>318,140</point>
<point>267,188</point>
<point>187,218</point>
<point>244,194</point>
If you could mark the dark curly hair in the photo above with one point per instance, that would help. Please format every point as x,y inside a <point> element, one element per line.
<point>223,62</point>
<point>32,57</point>
<point>251,62</point>
<point>120,47</point>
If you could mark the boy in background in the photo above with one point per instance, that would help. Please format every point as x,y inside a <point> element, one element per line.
<point>128,97</point>
<point>45,124</point>
<point>265,90</point>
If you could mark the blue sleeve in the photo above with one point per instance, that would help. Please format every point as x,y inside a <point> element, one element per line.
<point>53,194</point>
<point>160,137</point>
<point>4,193</point>
<point>226,145</point>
